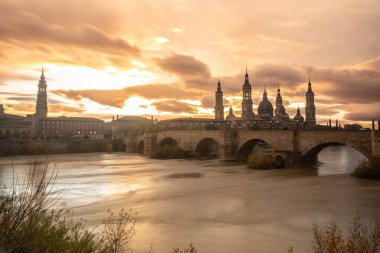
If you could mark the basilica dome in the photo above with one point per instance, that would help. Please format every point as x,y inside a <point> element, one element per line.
<point>265,109</point>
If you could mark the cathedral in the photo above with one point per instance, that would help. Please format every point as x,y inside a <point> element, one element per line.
<point>267,116</point>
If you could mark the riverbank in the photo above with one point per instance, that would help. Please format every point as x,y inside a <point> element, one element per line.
<point>34,147</point>
<point>220,207</point>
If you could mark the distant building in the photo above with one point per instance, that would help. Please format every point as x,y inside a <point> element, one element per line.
<point>39,125</point>
<point>13,126</point>
<point>122,126</point>
<point>267,117</point>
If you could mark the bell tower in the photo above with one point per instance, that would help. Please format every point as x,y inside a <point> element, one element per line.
<point>41,105</point>
<point>219,107</point>
<point>310,107</point>
<point>246,105</point>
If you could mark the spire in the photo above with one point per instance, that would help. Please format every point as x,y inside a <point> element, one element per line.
<point>246,81</point>
<point>265,93</point>
<point>298,110</point>
<point>278,88</point>
<point>309,85</point>
<point>219,89</point>
<point>42,73</point>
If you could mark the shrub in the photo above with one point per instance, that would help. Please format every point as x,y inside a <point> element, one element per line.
<point>368,169</point>
<point>109,148</point>
<point>29,224</point>
<point>362,238</point>
<point>261,162</point>
<point>191,249</point>
<point>168,152</point>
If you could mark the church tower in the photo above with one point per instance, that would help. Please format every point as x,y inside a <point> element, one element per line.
<point>246,105</point>
<point>310,107</point>
<point>278,101</point>
<point>41,105</point>
<point>219,107</point>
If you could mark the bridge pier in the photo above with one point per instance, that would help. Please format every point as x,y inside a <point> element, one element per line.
<point>375,139</point>
<point>228,146</point>
<point>150,143</point>
<point>131,144</point>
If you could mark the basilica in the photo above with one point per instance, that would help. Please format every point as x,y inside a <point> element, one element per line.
<point>267,116</point>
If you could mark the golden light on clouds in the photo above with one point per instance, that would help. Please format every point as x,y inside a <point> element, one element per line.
<point>164,57</point>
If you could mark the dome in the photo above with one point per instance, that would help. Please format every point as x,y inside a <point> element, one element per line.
<point>265,106</point>
<point>265,109</point>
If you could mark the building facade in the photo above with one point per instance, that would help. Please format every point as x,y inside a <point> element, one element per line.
<point>40,126</point>
<point>267,117</point>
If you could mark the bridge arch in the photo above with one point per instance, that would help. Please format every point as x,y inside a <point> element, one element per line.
<point>168,141</point>
<point>140,147</point>
<point>311,155</point>
<point>248,147</point>
<point>207,147</point>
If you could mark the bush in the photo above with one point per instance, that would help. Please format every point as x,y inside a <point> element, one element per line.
<point>29,224</point>
<point>109,148</point>
<point>368,169</point>
<point>362,238</point>
<point>168,152</point>
<point>191,249</point>
<point>263,162</point>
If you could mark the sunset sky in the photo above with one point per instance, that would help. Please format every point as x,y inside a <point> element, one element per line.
<point>163,58</point>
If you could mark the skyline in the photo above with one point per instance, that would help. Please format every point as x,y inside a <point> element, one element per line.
<point>113,60</point>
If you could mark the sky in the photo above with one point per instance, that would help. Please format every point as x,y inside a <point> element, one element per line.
<point>164,57</point>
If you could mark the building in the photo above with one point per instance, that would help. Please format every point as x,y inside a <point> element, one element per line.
<point>123,126</point>
<point>219,107</point>
<point>39,125</point>
<point>267,117</point>
<point>13,126</point>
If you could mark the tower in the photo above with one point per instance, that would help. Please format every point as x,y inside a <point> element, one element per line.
<point>278,101</point>
<point>280,111</point>
<point>219,107</point>
<point>41,105</point>
<point>246,105</point>
<point>310,107</point>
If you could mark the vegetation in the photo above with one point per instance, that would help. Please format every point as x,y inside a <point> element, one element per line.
<point>368,169</point>
<point>168,152</point>
<point>264,162</point>
<point>361,238</point>
<point>29,223</point>
<point>191,249</point>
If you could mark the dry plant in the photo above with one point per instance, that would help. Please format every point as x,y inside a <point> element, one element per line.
<point>119,230</point>
<point>362,238</point>
<point>191,249</point>
<point>22,202</point>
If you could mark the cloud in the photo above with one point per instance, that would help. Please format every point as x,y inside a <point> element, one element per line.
<point>60,108</point>
<point>117,98</point>
<point>45,31</point>
<point>174,106</point>
<point>14,76</point>
<point>184,66</point>
<point>361,116</point>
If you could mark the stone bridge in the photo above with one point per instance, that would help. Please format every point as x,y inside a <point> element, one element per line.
<point>230,145</point>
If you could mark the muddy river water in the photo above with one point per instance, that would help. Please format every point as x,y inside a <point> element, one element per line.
<point>219,207</point>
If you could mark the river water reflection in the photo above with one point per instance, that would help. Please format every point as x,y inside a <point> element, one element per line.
<point>220,207</point>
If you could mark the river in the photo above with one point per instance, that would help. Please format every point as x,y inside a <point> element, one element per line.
<point>219,207</point>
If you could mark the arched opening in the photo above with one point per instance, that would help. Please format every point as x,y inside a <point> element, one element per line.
<point>254,146</point>
<point>168,141</point>
<point>332,158</point>
<point>207,148</point>
<point>140,147</point>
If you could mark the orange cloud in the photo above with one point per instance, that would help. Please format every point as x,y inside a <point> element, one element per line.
<point>117,98</point>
